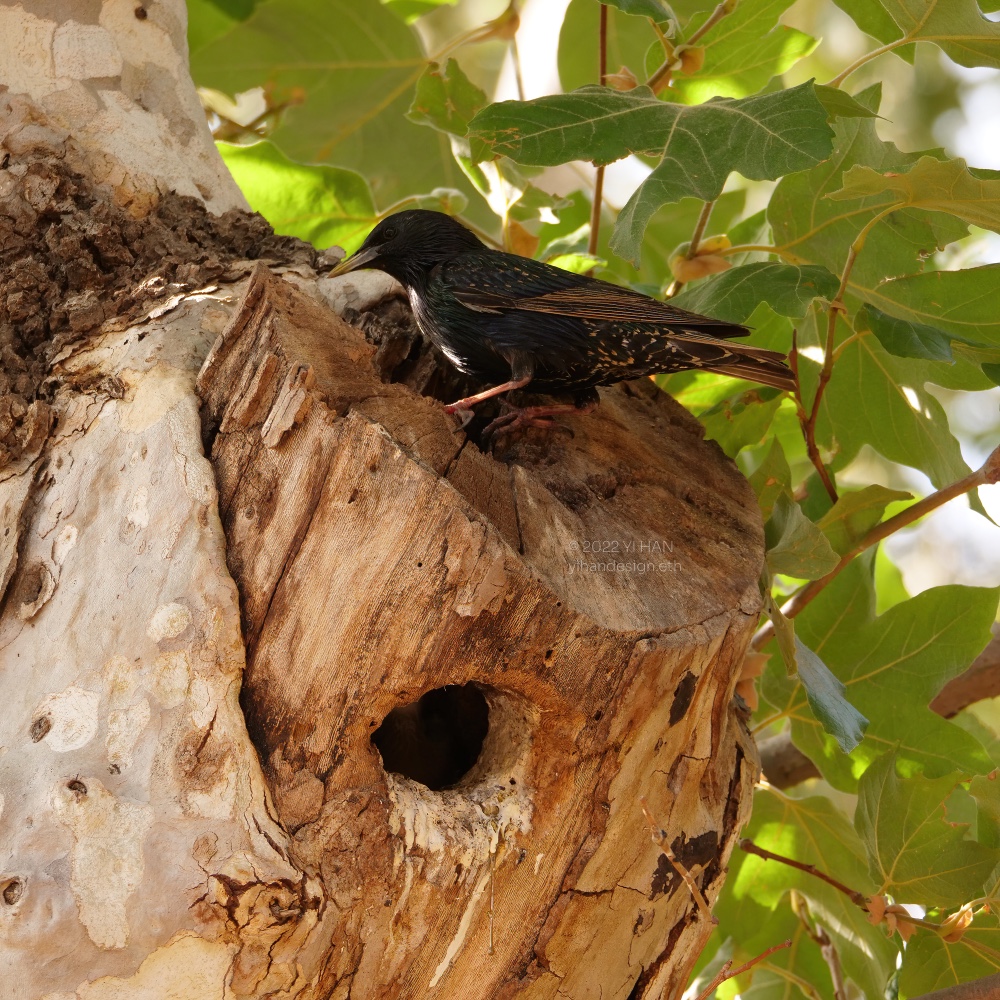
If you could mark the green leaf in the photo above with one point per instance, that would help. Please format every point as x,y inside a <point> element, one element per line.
<point>810,228</point>
<point>903,338</point>
<point>347,68</point>
<point>743,51</point>
<point>628,38</point>
<point>796,546</point>
<point>914,854</point>
<point>892,666</point>
<point>856,513</point>
<point>741,420</point>
<point>324,205</point>
<point>771,478</point>
<point>930,184</point>
<point>753,908</point>
<point>839,104</point>
<point>445,100</point>
<point>827,699</point>
<point>410,10</point>
<point>578,263</point>
<point>655,10</point>
<point>957,26</point>
<point>208,19</point>
<point>734,294</point>
<point>873,19</point>
<point>879,400</point>
<point>932,963</point>
<point>992,372</point>
<point>987,797</point>
<point>962,303</point>
<point>761,137</point>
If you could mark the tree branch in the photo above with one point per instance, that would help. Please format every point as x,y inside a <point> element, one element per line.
<point>751,848</point>
<point>728,972</point>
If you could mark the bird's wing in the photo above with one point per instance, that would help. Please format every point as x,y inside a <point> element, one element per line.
<point>496,282</point>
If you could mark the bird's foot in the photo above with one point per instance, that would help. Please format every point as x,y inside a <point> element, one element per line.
<point>464,414</point>
<point>515,418</point>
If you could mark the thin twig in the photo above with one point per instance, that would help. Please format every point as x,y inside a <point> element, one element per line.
<point>602,71</point>
<point>699,229</point>
<point>517,67</point>
<point>867,57</point>
<point>809,427</point>
<point>728,972</point>
<point>662,73</point>
<point>826,946</point>
<point>660,839</point>
<point>751,848</point>
<point>986,475</point>
<point>724,8</point>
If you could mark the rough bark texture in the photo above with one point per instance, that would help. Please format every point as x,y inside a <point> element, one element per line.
<point>367,553</point>
<point>401,559</point>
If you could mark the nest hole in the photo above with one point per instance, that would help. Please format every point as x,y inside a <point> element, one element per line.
<point>437,739</point>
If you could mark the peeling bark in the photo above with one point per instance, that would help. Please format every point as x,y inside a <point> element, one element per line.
<point>196,654</point>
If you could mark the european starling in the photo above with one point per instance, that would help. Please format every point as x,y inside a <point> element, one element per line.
<point>512,320</point>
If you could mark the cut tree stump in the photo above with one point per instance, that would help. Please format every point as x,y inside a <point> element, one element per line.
<point>577,605</point>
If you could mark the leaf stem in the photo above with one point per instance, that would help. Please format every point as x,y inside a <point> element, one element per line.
<point>867,57</point>
<point>724,8</point>
<point>595,209</point>
<point>728,972</point>
<point>746,844</point>
<point>759,248</point>
<point>986,475</point>
<point>699,229</point>
<point>826,946</point>
<point>516,58</point>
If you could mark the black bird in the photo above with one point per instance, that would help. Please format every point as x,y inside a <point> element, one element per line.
<point>512,320</point>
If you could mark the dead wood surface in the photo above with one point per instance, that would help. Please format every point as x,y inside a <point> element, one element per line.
<point>379,554</point>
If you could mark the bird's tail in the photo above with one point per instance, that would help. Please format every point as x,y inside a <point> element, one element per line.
<point>768,371</point>
<point>757,364</point>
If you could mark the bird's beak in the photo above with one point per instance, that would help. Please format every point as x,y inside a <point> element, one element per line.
<point>362,258</point>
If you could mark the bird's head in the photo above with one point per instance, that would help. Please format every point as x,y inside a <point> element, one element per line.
<point>408,244</point>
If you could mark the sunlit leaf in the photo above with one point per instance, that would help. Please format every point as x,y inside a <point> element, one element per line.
<point>914,854</point>
<point>932,963</point>
<point>856,513</point>
<point>931,184</point>
<point>743,50</point>
<point>655,10</point>
<point>892,666</point>
<point>348,67</point>
<point>754,908</point>
<point>957,26</point>
<point>410,10</point>
<point>324,205</point>
<point>763,136</point>
<point>796,546</point>
<point>734,294</point>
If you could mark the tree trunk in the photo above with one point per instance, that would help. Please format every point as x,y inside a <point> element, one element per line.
<point>464,668</point>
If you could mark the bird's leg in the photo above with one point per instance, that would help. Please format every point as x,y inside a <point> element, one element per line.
<point>470,401</point>
<point>538,416</point>
<point>522,370</point>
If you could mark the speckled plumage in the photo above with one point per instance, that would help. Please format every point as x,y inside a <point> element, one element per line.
<point>505,319</point>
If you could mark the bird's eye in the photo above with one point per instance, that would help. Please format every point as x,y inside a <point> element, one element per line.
<point>389,234</point>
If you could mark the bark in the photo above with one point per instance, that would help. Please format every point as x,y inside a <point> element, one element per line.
<point>353,550</point>
<point>402,560</point>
